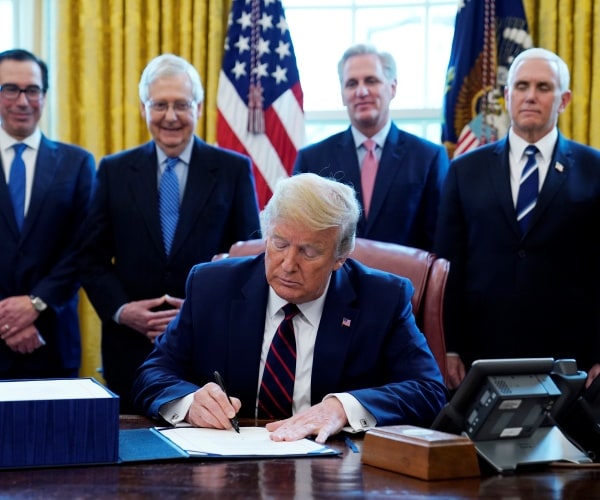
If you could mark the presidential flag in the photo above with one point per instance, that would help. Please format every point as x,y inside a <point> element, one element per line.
<point>488,35</point>
<point>259,100</point>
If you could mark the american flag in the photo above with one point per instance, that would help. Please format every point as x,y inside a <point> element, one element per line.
<point>259,100</point>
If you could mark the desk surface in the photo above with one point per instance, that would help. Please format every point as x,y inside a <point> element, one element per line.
<point>332,477</point>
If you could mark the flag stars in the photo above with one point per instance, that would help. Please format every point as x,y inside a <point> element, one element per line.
<point>242,44</point>
<point>282,25</point>
<point>263,47</point>
<point>266,21</point>
<point>239,69</point>
<point>260,70</point>
<point>280,74</point>
<point>283,49</point>
<point>245,20</point>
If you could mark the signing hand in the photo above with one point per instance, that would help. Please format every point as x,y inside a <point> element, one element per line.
<point>211,408</point>
<point>323,420</point>
<point>456,371</point>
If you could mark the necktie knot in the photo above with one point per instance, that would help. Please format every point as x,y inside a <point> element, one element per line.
<point>19,148</point>
<point>290,310</point>
<point>370,145</point>
<point>171,162</point>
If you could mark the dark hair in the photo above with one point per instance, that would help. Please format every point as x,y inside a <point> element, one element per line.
<point>24,55</point>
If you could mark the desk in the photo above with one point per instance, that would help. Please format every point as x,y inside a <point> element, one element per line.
<point>280,478</point>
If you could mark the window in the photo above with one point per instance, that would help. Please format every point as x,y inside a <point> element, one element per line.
<point>7,31</point>
<point>418,33</point>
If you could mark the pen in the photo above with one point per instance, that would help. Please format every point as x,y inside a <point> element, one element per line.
<point>350,444</point>
<point>234,420</point>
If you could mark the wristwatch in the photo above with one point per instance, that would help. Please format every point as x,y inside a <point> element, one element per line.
<point>38,304</point>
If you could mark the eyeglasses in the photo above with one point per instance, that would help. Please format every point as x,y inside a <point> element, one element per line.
<point>12,92</point>
<point>163,106</point>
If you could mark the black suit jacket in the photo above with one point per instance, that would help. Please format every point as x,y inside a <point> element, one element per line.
<point>42,259</point>
<point>124,258</point>
<point>407,187</point>
<point>531,295</point>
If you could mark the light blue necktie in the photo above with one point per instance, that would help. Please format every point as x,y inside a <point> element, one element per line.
<point>528,189</point>
<point>16,184</point>
<point>169,203</point>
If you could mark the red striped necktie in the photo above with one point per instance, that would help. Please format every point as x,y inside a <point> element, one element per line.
<point>277,385</point>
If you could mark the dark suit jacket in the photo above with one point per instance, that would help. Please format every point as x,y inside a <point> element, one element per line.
<point>124,258</point>
<point>42,260</point>
<point>407,187</point>
<point>513,295</point>
<point>380,357</point>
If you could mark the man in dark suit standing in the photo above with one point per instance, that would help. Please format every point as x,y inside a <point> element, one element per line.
<point>524,277</point>
<point>157,210</point>
<point>45,189</point>
<point>400,198</point>
<point>358,360</point>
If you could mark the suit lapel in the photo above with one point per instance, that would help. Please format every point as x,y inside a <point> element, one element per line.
<point>245,338</point>
<point>499,171</point>
<point>200,182</point>
<point>389,166</point>
<point>141,177</point>
<point>336,330</point>
<point>6,206</point>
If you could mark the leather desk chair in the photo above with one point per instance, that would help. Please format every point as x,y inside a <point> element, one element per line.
<point>427,273</point>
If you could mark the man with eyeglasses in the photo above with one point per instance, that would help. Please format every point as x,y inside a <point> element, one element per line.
<point>157,210</point>
<point>45,189</point>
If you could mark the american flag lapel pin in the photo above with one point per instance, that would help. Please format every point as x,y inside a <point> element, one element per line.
<point>559,167</point>
<point>346,322</point>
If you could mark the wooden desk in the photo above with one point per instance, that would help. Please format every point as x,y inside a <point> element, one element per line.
<point>281,478</point>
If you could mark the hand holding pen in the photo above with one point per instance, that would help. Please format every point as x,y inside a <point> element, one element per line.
<point>234,421</point>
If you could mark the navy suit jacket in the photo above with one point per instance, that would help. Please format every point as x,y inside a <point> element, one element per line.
<point>42,259</point>
<point>378,355</point>
<point>407,188</point>
<point>514,295</point>
<point>124,258</point>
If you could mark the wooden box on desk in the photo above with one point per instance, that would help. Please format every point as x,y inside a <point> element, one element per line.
<point>57,422</point>
<point>419,452</point>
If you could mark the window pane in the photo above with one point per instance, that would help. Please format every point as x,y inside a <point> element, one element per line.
<point>6,30</point>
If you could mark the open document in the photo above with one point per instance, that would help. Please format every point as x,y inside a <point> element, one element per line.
<point>189,442</point>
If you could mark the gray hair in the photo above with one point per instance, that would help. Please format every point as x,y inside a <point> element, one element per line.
<point>387,60</point>
<point>562,70</point>
<point>169,65</point>
<point>316,203</point>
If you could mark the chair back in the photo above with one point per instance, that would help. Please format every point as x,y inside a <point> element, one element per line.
<point>427,274</point>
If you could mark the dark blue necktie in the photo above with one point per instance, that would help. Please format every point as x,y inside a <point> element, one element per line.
<point>277,385</point>
<point>16,184</point>
<point>169,203</point>
<point>528,189</point>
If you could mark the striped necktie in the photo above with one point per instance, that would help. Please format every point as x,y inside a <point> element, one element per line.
<point>16,184</point>
<point>368,172</point>
<point>528,189</point>
<point>277,385</point>
<point>168,202</point>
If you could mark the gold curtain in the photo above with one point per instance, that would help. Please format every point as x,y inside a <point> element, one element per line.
<point>572,30</point>
<point>101,49</point>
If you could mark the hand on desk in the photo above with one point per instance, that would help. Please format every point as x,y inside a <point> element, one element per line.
<point>141,316</point>
<point>322,420</point>
<point>211,408</point>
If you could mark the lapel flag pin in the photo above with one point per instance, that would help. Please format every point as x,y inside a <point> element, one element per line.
<point>346,322</point>
<point>559,167</point>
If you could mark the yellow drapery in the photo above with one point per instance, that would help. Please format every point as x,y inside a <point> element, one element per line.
<point>101,49</point>
<point>572,30</point>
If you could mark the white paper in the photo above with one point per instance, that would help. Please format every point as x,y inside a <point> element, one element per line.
<point>251,441</point>
<point>51,389</point>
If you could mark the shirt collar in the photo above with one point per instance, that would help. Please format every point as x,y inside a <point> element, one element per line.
<point>379,137</point>
<point>185,155</point>
<point>312,310</point>
<point>33,141</point>
<point>545,145</point>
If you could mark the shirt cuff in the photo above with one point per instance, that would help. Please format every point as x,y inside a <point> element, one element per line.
<point>175,411</point>
<point>359,418</point>
<point>117,315</point>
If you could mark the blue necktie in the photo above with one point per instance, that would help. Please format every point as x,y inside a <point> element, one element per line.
<point>16,184</point>
<point>277,385</point>
<point>168,202</point>
<point>528,189</point>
